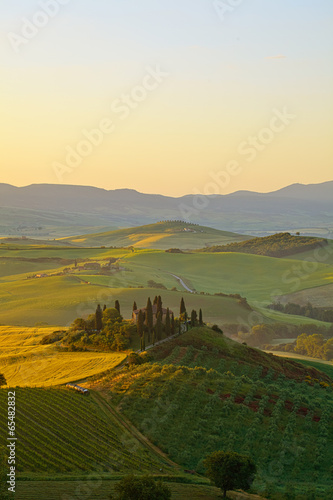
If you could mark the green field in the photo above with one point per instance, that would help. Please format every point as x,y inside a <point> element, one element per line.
<point>256,277</point>
<point>323,256</point>
<point>59,299</point>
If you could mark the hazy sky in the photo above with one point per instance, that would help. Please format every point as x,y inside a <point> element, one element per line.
<point>187,95</point>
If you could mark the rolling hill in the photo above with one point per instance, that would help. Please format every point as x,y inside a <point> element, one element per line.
<point>49,210</point>
<point>161,235</point>
<point>277,245</point>
<point>202,392</point>
<point>64,292</point>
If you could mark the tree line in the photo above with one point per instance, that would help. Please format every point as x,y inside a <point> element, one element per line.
<point>319,313</point>
<point>276,245</point>
<point>168,325</point>
<point>315,346</point>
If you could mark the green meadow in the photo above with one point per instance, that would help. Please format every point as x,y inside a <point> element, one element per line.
<point>62,296</point>
<point>256,277</point>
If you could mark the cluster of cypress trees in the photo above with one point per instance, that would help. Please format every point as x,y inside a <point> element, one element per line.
<point>145,321</point>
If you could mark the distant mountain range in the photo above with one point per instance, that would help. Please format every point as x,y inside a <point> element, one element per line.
<point>51,210</point>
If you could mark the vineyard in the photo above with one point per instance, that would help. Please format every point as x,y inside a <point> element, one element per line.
<point>60,431</point>
<point>189,409</point>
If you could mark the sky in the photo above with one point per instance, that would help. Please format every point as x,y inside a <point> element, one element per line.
<point>177,97</point>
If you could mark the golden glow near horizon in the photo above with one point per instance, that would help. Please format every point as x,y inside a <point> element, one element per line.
<point>162,99</point>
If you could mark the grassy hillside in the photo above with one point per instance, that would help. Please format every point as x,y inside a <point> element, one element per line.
<point>162,235</point>
<point>25,362</point>
<point>324,256</point>
<point>60,298</point>
<point>276,245</point>
<point>321,296</point>
<point>253,276</point>
<point>202,346</point>
<point>189,408</point>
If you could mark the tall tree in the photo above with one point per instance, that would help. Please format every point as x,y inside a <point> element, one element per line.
<point>173,331</point>
<point>182,308</point>
<point>139,324</point>
<point>155,300</point>
<point>159,309</point>
<point>134,306</point>
<point>193,318</point>
<point>167,323</point>
<point>98,318</point>
<point>229,470</point>
<point>158,326</point>
<point>117,306</point>
<point>200,317</point>
<point>149,318</point>
<point>104,307</point>
<point>186,322</point>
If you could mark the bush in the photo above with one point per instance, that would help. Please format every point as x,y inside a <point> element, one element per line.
<point>143,488</point>
<point>216,329</point>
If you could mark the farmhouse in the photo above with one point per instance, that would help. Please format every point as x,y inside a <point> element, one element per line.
<point>144,309</point>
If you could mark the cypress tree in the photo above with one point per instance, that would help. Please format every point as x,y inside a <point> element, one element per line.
<point>139,324</point>
<point>158,327</point>
<point>186,323</point>
<point>98,318</point>
<point>154,337</point>
<point>104,307</point>
<point>134,306</point>
<point>200,317</point>
<point>193,318</point>
<point>182,308</point>
<point>149,318</point>
<point>173,331</point>
<point>167,323</point>
<point>159,307</point>
<point>155,300</point>
<point>117,305</point>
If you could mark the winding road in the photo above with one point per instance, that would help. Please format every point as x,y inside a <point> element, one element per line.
<point>182,283</point>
